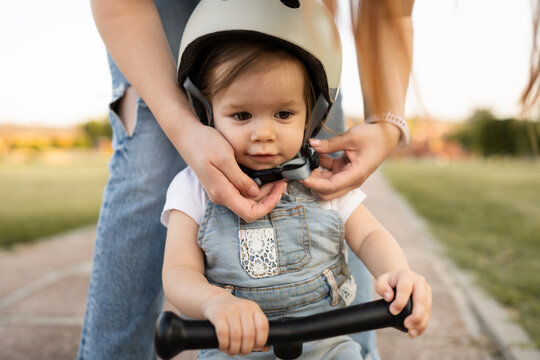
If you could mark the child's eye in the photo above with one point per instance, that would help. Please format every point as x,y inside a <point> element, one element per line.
<point>242,116</point>
<point>283,115</point>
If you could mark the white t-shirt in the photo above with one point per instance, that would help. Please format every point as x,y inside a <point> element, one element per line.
<point>186,194</point>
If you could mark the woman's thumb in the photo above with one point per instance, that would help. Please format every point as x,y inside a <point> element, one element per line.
<point>327,146</point>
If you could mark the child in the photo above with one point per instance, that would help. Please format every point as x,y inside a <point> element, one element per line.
<point>265,98</point>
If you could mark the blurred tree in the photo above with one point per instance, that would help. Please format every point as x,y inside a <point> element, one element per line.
<point>485,135</point>
<point>97,130</point>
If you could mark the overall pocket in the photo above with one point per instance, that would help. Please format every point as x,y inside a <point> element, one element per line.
<point>275,244</point>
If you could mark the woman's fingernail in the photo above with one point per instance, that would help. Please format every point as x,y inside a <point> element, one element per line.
<point>413,333</point>
<point>387,296</point>
<point>253,191</point>
<point>315,142</point>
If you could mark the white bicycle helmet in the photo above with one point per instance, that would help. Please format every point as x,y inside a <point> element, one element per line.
<point>304,27</point>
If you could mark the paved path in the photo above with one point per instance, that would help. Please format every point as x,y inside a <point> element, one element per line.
<point>43,292</point>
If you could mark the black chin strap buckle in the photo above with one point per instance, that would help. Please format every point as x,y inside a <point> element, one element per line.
<point>312,156</point>
<point>262,177</point>
<point>298,168</point>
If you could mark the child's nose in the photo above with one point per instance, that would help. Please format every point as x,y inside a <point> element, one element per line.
<point>263,130</point>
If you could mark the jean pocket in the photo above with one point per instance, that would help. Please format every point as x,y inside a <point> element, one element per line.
<point>275,244</point>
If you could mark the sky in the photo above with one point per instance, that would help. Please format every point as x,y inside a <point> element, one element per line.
<point>468,54</point>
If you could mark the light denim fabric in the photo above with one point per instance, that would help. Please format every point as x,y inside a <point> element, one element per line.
<point>336,348</point>
<point>125,293</point>
<point>291,262</point>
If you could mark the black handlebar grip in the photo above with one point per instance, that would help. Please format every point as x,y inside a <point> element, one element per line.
<point>173,335</point>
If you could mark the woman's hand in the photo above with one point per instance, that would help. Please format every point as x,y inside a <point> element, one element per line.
<point>407,282</point>
<point>241,326</point>
<point>212,158</point>
<point>364,148</point>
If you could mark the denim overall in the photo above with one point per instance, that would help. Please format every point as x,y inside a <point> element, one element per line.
<point>291,262</point>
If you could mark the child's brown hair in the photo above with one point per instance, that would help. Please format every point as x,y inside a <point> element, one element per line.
<point>227,60</point>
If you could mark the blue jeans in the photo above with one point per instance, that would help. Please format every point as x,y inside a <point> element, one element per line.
<point>125,294</point>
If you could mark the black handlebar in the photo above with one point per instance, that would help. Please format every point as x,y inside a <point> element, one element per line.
<point>173,334</point>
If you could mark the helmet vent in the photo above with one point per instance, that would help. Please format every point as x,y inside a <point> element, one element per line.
<point>294,4</point>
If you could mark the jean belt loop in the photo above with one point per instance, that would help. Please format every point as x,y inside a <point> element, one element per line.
<point>331,280</point>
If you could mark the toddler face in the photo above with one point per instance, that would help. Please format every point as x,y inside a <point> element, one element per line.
<point>263,114</point>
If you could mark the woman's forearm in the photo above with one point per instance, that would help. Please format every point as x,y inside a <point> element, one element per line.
<point>384,35</point>
<point>133,34</point>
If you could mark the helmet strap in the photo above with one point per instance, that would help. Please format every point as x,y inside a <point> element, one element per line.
<point>298,168</point>
<point>318,115</point>
<point>199,104</point>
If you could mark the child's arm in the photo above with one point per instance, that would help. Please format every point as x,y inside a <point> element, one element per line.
<point>383,256</point>
<point>240,324</point>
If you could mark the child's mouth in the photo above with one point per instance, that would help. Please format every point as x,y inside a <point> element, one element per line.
<point>263,158</point>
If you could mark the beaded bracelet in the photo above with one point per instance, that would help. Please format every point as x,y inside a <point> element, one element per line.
<point>396,120</point>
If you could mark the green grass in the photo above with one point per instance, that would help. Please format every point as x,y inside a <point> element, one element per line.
<point>39,199</point>
<point>487,214</point>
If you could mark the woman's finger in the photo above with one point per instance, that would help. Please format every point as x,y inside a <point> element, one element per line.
<point>230,169</point>
<point>263,206</point>
<point>247,209</point>
<point>327,162</point>
<point>333,144</point>
<point>328,188</point>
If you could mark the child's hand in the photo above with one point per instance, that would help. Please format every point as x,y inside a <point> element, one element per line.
<point>241,325</point>
<point>407,282</point>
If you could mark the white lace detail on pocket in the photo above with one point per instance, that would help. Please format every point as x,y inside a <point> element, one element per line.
<point>347,290</point>
<point>258,253</point>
